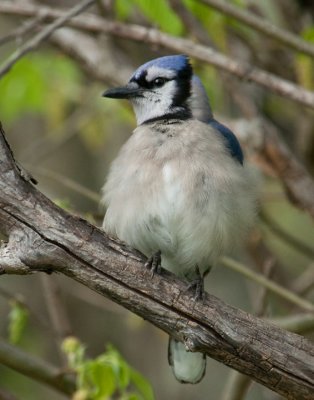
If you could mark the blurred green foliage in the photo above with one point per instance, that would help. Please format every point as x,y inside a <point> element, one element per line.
<point>39,83</point>
<point>304,64</point>
<point>106,375</point>
<point>18,317</point>
<point>158,12</point>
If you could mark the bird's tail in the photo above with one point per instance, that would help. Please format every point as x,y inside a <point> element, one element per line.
<point>187,367</point>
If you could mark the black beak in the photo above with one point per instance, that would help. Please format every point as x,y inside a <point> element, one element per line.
<point>125,92</point>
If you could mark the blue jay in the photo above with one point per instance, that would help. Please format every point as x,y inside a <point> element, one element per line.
<point>179,190</point>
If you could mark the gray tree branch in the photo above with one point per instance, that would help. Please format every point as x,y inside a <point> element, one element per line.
<point>35,368</point>
<point>43,237</point>
<point>44,34</point>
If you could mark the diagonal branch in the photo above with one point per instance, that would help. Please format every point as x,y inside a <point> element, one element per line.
<point>138,33</point>
<point>22,30</point>
<point>261,25</point>
<point>286,294</point>
<point>43,237</point>
<point>298,183</point>
<point>268,143</point>
<point>35,368</point>
<point>43,35</point>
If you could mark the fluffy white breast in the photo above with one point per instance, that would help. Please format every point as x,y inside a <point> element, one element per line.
<point>171,186</point>
<point>175,188</point>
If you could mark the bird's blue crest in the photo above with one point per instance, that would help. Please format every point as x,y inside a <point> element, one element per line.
<point>175,63</point>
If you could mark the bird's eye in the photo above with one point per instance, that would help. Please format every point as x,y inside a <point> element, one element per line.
<point>158,82</point>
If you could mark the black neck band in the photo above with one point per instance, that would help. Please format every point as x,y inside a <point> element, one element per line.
<point>183,114</point>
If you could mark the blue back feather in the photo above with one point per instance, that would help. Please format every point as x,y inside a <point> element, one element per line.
<point>232,142</point>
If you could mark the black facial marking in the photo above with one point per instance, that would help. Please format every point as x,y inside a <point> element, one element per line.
<point>183,80</point>
<point>142,81</point>
<point>183,85</point>
<point>176,117</point>
<point>179,109</point>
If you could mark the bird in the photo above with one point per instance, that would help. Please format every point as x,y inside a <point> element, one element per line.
<point>179,190</point>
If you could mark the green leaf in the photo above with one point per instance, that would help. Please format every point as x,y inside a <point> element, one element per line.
<point>99,378</point>
<point>142,385</point>
<point>120,367</point>
<point>161,14</point>
<point>75,352</point>
<point>107,374</point>
<point>18,317</point>
<point>123,8</point>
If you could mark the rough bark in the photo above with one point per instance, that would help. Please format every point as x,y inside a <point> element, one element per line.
<point>43,237</point>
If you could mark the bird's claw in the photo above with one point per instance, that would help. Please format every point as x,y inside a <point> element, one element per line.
<point>197,285</point>
<point>154,263</point>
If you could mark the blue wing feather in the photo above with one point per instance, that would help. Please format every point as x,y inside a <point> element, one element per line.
<point>232,142</point>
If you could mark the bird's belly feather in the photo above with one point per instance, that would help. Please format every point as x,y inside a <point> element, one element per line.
<point>188,209</point>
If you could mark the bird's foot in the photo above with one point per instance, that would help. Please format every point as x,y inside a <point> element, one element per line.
<point>154,263</point>
<point>197,285</point>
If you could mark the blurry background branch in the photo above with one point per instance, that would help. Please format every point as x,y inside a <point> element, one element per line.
<point>43,35</point>
<point>261,25</point>
<point>35,368</point>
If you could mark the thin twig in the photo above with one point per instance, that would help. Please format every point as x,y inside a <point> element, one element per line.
<point>261,25</point>
<point>16,297</point>
<point>273,153</point>
<point>106,62</point>
<point>35,368</point>
<point>192,24</point>
<point>22,30</point>
<point>285,236</point>
<point>42,148</point>
<point>44,34</point>
<point>68,183</point>
<point>56,310</point>
<point>261,297</point>
<point>304,282</point>
<point>154,37</point>
<point>272,286</point>
<point>298,323</point>
<point>236,386</point>
<point>297,181</point>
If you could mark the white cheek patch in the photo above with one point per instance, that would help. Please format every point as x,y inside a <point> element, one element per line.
<point>157,72</point>
<point>154,103</point>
